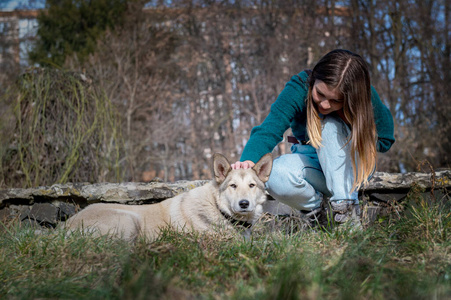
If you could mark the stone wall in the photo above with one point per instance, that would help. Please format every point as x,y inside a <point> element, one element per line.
<point>49,205</point>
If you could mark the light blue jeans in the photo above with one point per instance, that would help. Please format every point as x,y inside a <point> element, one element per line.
<point>297,179</point>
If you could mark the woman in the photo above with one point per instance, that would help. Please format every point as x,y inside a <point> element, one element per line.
<point>338,122</point>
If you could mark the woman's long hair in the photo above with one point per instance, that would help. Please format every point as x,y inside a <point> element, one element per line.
<point>348,72</point>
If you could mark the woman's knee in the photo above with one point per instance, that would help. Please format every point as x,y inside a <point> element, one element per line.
<point>287,182</point>
<point>332,125</point>
<point>286,177</point>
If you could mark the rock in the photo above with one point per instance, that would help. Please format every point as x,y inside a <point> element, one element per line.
<point>398,181</point>
<point>85,193</point>
<point>275,207</point>
<point>387,197</point>
<point>50,204</point>
<point>66,210</point>
<point>44,213</point>
<point>370,214</point>
<point>5,214</point>
<point>20,211</point>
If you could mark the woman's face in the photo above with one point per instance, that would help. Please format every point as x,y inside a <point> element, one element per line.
<point>326,99</point>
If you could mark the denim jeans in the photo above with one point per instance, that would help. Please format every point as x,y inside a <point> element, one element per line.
<point>297,179</point>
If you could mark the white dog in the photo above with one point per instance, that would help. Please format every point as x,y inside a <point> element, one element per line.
<point>233,198</point>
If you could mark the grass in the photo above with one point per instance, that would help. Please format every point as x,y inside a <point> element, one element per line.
<point>405,256</point>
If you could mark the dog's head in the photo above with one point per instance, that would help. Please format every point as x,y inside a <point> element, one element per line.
<point>242,191</point>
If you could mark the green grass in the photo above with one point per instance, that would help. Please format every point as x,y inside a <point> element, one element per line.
<point>405,256</point>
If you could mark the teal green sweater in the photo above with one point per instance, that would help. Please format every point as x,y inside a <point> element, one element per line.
<point>289,110</point>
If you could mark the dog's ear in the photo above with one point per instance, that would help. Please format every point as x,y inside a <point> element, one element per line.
<point>221,167</point>
<point>263,167</point>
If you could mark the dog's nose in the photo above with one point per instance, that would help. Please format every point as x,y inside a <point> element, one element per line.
<point>243,204</point>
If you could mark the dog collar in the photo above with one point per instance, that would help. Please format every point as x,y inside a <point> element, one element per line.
<point>236,222</point>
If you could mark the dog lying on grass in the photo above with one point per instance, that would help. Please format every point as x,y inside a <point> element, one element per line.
<point>233,198</point>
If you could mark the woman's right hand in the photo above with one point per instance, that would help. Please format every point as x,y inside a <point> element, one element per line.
<point>243,165</point>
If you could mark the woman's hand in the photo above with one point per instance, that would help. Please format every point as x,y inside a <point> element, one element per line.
<point>243,165</point>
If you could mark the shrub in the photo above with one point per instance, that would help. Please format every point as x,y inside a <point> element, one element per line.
<point>65,129</point>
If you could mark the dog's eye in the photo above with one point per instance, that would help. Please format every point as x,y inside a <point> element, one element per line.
<point>233,186</point>
<point>251,185</point>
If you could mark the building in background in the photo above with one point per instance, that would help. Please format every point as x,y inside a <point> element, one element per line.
<point>17,35</point>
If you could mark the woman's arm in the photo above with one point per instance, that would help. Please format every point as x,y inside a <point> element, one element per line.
<point>266,136</point>
<point>384,123</point>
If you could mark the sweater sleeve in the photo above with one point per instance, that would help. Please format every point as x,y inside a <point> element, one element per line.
<point>384,123</point>
<point>266,136</point>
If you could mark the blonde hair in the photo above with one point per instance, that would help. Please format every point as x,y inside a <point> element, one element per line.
<point>348,72</point>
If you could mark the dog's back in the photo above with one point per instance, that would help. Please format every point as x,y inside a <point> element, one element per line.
<point>107,219</point>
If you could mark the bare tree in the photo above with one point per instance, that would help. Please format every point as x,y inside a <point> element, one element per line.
<point>194,77</point>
